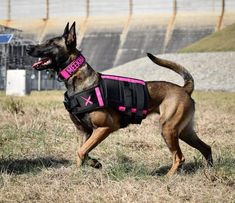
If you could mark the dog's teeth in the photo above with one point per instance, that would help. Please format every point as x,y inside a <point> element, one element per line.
<point>47,62</point>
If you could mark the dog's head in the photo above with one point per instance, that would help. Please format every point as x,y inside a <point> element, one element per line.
<point>54,52</point>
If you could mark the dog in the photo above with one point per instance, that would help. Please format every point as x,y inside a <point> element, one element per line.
<point>171,101</point>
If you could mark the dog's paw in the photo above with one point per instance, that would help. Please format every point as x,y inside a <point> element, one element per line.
<point>79,162</point>
<point>93,163</point>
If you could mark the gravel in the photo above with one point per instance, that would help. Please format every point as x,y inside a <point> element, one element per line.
<point>211,71</point>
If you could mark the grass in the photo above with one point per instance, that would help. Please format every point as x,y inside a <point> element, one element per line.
<point>223,40</point>
<point>38,145</point>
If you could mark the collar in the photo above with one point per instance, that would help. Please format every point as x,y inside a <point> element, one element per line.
<point>67,72</point>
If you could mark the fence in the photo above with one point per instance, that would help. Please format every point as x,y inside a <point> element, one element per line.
<point>45,9</point>
<point>13,55</point>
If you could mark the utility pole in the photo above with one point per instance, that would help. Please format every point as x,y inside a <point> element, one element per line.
<point>170,26</point>
<point>130,8</point>
<point>83,25</point>
<point>47,9</point>
<point>87,8</point>
<point>221,17</point>
<point>174,8</point>
<point>9,10</point>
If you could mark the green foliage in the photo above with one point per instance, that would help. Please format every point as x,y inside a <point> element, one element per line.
<point>223,40</point>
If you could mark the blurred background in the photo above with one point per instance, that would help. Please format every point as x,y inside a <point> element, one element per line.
<point>110,33</point>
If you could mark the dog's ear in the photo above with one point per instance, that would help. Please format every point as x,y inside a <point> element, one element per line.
<point>66,29</point>
<point>71,40</point>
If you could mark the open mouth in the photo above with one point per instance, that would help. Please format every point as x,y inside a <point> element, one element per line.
<point>42,63</point>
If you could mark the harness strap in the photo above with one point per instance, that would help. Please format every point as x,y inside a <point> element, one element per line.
<point>128,96</point>
<point>85,101</point>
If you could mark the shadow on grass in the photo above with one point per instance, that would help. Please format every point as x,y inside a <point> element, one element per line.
<point>187,168</point>
<point>21,166</point>
<point>126,167</point>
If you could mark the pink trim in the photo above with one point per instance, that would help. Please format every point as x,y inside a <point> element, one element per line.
<point>72,67</point>
<point>121,108</point>
<point>87,100</point>
<point>145,111</point>
<point>64,74</point>
<point>131,80</point>
<point>133,110</point>
<point>99,97</point>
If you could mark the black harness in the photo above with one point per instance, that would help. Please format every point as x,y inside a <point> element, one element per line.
<point>127,95</point>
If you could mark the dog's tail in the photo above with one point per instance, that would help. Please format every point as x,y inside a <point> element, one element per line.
<point>188,79</point>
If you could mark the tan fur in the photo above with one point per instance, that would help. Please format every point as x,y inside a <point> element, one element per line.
<point>172,102</point>
<point>176,109</point>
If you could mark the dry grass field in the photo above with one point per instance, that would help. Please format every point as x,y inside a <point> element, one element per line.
<point>38,146</point>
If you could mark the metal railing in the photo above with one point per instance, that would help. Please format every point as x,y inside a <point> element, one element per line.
<point>45,9</point>
<point>14,56</point>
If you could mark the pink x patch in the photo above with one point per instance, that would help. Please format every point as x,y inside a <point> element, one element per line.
<point>87,100</point>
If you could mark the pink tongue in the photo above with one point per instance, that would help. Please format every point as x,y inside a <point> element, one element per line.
<point>38,63</point>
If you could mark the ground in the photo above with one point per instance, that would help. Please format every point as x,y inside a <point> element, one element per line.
<point>38,146</point>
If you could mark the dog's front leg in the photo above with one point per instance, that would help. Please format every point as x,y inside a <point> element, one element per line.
<point>97,136</point>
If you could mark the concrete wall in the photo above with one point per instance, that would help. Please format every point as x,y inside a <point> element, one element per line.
<point>115,44</point>
<point>112,40</point>
<point>144,34</point>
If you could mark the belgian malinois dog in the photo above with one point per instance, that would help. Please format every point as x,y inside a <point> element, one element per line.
<point>172,102</point>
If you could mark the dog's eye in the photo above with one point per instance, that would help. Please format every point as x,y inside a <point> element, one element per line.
<point>51,42</point>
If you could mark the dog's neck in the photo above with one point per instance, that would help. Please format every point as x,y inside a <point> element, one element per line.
<point>84,78</point>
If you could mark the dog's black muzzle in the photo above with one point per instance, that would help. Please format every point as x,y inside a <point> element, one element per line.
<point>40,50</point>
<point>30,49</point>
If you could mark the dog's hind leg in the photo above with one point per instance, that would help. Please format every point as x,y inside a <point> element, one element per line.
<point>189,136</point>
<point>171,138</point>
<point>170,121</point>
